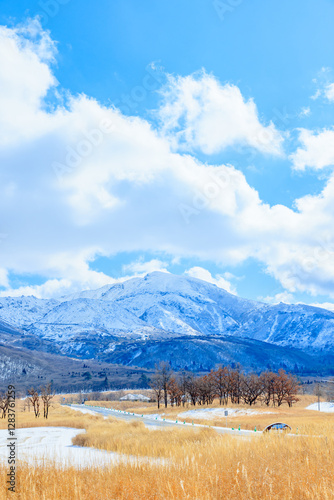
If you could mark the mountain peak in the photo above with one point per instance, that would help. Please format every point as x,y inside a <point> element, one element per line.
<point>163,305</point>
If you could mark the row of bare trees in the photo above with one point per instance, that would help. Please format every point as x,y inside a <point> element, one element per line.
<point>225,384</point>
<point>44,395</point>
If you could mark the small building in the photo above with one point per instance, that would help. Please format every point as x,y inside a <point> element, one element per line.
<point>135,397</point>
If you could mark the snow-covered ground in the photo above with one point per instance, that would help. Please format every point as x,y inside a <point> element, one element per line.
<point>212,413</point>
<point>84,410</point>
<point>324,407</point>
<point>44,445</point>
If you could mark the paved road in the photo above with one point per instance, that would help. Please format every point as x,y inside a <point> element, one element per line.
<point>154,422</point>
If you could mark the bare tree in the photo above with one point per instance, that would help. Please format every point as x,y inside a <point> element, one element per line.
<point>3,404</point>
<point>156,384</point>
<point>26,404</point>
<point>286,388</point>
<point>268,380</point>
<point>183,384</point>
<point>165,373</point>
<point>174,392</point>
<point>47,394</point>
<point>221,383</point>
<point>235,385</point>
<point>33,397</point>
<point>192,389</point>
<point>251,388</point>
<point>206,389</point>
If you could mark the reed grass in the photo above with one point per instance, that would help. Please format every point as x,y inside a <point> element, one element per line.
<point>199,465</point>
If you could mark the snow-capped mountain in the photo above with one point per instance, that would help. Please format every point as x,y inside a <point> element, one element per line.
<point>299,325</point>
<point>179,304</point>
<point>22,311</point>
<point>190,306</point>
<point>72,317</point>
<point>162,309</point>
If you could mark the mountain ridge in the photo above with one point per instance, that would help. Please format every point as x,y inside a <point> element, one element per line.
<point>162,307</point>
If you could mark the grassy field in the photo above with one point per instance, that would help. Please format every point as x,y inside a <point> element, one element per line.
<point>199,464</point>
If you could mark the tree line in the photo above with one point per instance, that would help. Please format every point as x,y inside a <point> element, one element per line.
<point>225,384</point>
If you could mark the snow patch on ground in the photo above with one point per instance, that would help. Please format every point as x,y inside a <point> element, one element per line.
<point>324,407</point>
<point>155,416</point>
<point>212,413</point>
<point>53,445</point>
<point>85,410</point>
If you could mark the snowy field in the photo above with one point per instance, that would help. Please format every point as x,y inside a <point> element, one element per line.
<point>213,413</point>
<point>324,407</point>
<point>53,445</point>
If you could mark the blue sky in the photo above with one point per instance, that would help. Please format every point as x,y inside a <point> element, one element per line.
<point>195,89</point>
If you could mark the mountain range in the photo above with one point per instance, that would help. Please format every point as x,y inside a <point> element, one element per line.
<point>190,323</point>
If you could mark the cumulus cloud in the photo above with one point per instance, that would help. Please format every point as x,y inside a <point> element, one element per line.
<point>26,77</point>
<point>317,150</point>
<point>80,180</point>
<point>205,275</point>
<point>4,278</point>
<point>200,113</point>
<point>325,305</point>
<point>141,268</point>
<point>329,92</point>
<point>285,297</point>
<point>305,112</point>
<point>324,85</point>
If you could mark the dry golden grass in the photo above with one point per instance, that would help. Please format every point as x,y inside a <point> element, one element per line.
<point>214,467</point>
<point>58,416</point>
<point>200,465</point>
<point>133,438</point>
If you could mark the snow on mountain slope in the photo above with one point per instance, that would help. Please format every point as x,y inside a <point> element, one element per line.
<point>22,311</point>
<point>86,315</point>
<point>189,318</point>
<point>178,303</point>
<point>138,293</point>
<point>190,306</point>
<point>162,305</point>
<point>298,325</point>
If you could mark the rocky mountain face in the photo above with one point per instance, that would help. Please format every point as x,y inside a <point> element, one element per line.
<point>190,322</point>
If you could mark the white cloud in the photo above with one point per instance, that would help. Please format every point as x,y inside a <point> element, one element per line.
<point>72,188</point>
<point>71,274</point>
<point>325,87</point>
<point>317,150</point>
<point>4,278</point>
<point>205,275</point>
<point>329,92</point>
<point>305,112</point>
<point>26,77</point>
<point>325,305</point>
<point>285,297</point>
<point>142,268</point>
<point>200,113</point>
<point>49,289</point>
